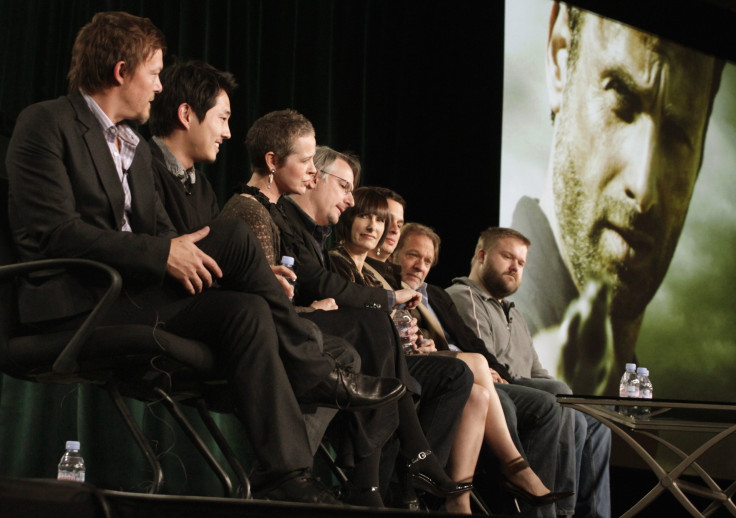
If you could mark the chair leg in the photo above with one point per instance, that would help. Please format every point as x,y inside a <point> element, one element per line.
<point>336,470</point>
<point>186,426</point>
<point>244,487</point>
<point>140,439</point>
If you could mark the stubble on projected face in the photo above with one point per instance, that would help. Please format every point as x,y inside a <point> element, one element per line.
<point>631,112</point>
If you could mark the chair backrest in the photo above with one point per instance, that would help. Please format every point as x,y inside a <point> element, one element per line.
<point>26,354</point>
<point>139,361</point>
<point>8,306</point>
<point>7,250</point>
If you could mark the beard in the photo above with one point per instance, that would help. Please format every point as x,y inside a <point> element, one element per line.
<point>589,225</point>
<point>498,285</point>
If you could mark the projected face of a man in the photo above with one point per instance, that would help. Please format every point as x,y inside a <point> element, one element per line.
<point>629,132</point>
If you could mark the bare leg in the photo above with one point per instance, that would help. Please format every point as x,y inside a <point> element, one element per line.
<point>466,447</point>
<point>497,435</point>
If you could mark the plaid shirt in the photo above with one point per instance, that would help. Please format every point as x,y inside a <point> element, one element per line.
<point>117,135</point>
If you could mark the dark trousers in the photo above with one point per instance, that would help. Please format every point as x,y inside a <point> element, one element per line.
<point>319,418</point>
<point>445,387</point>
<point>245,268</point>
<point>268,353</point>
<point>357,435</point>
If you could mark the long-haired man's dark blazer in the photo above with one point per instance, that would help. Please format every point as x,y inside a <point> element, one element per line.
<point>66,200</point>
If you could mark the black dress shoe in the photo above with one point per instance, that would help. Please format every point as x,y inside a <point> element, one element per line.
<point>425,473</point>
<point>347,390</point>
<point>300,487</point>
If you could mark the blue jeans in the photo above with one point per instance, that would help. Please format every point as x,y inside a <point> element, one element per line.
<point>594,485</point>
<point>589,441</point>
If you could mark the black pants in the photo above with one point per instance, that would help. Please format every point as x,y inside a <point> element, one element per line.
<point>268,353</point>
<point>445,388</point>
<point>359,434</point>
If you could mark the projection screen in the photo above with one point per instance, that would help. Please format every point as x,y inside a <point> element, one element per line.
<point>632,255</point>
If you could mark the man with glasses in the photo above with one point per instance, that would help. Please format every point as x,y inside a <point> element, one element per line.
<point>345,185</point>
<point>306,228</point>
<point>445,382</point>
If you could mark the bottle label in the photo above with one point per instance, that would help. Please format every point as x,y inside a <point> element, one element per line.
<point>632,391</point>
<point>70,475</point>
<point>646,393</point>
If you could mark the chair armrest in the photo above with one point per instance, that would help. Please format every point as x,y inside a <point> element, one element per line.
<point>66,362</point>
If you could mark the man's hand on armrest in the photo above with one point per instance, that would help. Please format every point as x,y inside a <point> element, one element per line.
<point>189,265</point>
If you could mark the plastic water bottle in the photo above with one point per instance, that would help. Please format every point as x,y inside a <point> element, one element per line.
<point>71,465</point>
<point>288,261</point>
<point>629,387</point>
<point>646,390</point>
<point>402,320</point>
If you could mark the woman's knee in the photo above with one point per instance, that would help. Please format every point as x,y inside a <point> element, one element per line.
<point>479,397</point>
<point>475,361</point>
<point>479,366</point>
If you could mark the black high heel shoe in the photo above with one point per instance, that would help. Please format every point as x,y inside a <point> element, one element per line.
<point>514,467</point>
<point>426,474</point>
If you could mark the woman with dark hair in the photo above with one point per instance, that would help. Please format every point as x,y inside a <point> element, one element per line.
<point>361,228</point>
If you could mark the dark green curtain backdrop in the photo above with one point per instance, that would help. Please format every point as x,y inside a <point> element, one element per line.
<point>413,87</point>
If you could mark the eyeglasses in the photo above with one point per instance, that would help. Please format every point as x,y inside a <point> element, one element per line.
<point>344,184</point>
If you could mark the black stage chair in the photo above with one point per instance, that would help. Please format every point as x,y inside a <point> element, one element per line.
<point>137,361</point>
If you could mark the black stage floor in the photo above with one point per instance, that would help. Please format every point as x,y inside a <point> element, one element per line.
<point>48,498</point>
<point>44,498</point>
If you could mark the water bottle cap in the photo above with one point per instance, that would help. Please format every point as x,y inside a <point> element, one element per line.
<point>287,260</point>
<point>402,315</point>
<point>642,370</point>
<point>72,445</point>
<point>630,366</point>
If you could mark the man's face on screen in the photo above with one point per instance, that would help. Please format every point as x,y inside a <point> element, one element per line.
<point>627,149</point>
